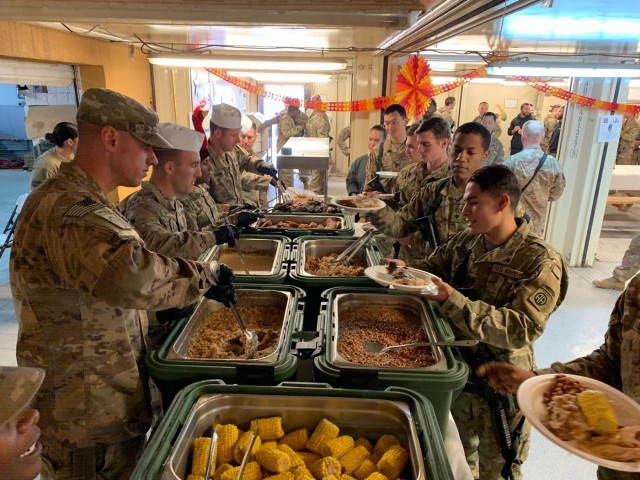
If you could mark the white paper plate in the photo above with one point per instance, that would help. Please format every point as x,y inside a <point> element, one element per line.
<point>380,275</point>
<point>387,174</point>
<point>379,205</point>
<point>531,402</point>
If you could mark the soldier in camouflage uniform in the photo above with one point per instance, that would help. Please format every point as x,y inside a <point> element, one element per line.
<point>229,160</point>
<point>390,155</point>
<point>470,149</point>
<point>65,140</point>
<point>446,111</point>
<point>550,122</point>
<point>629,267</point>
<point>483,108</point>
<point>496,150</point>
<point>81,279</point>
<point>202,212</point>
<point>616,362</point>
<point>20,451</point>
<point>628,135</point>
<point>318,126</point>
<point>287,128</point>
<point>547,185</point>
<point>256,197</point>
<point>498,284</point>
<point>345,134</point>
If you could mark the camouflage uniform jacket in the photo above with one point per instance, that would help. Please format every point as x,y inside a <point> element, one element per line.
<point>79,276</point>
<point>630,130</point>
<point>446,114</point>
<point>448,216</point>
<point>162,224</point>
<point>318,125</point>
<point>496,152</point>
<point>46,166</point>
<point>513,290</point>
<point>301,119</point>
<point>226,174</point>
<point>546,187</point>
<point>201,211</point>
<point>497,130</point>
<point>345,134</point>
<point>393,159</point>
<point>287,128</point>
<point>413,177</point>
<point>549,124</point>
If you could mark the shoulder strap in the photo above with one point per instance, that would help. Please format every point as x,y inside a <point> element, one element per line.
<point>437,200</point>
<point>379,165</point>
<point>540,164</point>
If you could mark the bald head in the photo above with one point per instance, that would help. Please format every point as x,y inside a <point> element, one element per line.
<point>532,133</point>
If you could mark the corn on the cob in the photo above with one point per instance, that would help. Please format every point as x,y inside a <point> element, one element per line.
<point>251,472</point>
<point>384,443</point>
<point>221,469</point>
<point>274,461</point>
<point>363,442</point>
<point>353,459</point>
<point>269,428</point>
<point>324,431</point>
<point>294,459</point>
<point>200,456</point>
<point>344,476</point>
<point>365,469</point>
<point>243,443</point>
<point>598,410</point>
<point>325,467</point>
<point>195,477</point>
<point>393,462</point>
<point>281,476</point>
<point>330,477</point>
<point>302,473</point>
<point>297,439</point>
<point>308,457</point>
<point>375,458</point>
<point>337,447</point>
<point>227,438</point>
<point>271,445</point>
<point>376,476</point>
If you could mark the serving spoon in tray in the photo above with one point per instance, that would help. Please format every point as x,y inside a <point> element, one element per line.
<point>379,349</point>
<point>251,342</point>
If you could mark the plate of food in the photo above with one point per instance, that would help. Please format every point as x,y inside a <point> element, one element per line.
<point>402,278</point>
<point>359,204</point>
<point>384,174</point>
<point>585,417</point>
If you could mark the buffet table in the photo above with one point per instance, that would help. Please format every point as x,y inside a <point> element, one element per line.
<point>306,153</point>
<point>625,178</point>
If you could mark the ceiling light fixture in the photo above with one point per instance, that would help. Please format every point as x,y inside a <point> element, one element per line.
<point>238,62</point>
<point>530,69</point>
<point>285,77</point>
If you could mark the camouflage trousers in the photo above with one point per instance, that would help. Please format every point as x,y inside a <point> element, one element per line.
<point>607,474</point>
<point>473,419</point>
<point>110,462</point>
<point>317,184</point>
<point>630,261</point>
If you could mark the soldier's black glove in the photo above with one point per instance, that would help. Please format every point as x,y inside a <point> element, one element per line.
<point>274,182</point>
<point>226,234</point>
<point>224,291</point>
<point>174,314</point>
<point>267,168</point>
<point>244,218</point>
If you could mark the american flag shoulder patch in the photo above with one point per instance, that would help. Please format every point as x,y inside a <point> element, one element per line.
<point>83,208</point>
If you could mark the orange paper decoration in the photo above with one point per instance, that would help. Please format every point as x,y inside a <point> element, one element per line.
<point>414,89</point>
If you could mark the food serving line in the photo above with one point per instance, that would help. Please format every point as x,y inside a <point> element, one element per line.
<point>311,316</point>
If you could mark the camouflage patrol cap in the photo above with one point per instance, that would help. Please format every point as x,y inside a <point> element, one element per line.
<point>100,106</point>
<point>18,385</point>
<point>226,116</point>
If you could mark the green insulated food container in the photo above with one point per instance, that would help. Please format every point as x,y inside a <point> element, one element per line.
<point>440,382</point>
<point>172,367</point>
<point>314,285</point>
<point>359,413</point>
<point>266,256</point>
<point>294,225</point>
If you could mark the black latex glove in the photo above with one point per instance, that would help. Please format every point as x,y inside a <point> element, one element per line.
<point>274,182</point>
<point>224,291</point>
<point>226,234</point>
<point>244,218</point>
<point>267,168</point>
<point>174,314</point>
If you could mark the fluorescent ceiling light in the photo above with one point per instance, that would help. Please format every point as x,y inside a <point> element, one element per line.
<point>588,71</point>
<point>571,27</point>
<point>262,62</point>
<point>285,77</point>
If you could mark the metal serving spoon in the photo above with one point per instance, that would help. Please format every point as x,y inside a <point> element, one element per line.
<point>378,348</point>
<point>251,344</point>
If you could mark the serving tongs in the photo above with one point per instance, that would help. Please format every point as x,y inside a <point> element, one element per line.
<point>379,349</point>
<point>247,455</point>
<point>238,249</point>
<point>251,337</point>
<point>212,448</point>
<point>352,249</point>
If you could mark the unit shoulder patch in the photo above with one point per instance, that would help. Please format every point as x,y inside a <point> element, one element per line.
<point>541,297</point>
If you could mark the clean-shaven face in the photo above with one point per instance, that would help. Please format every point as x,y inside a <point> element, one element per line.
<point>467,155</point>
<point>481,210</point>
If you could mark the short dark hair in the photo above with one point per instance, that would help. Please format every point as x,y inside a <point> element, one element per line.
<point>497,180</point>
<point>413,129</point>
<point>476,128</point>
<point>396,108</point>
<point>440,128</point>
<point>490,114</point>
<point>293,108</point>
<point>62,132</point>
<point>449,101</point>
<point>381,129</point>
